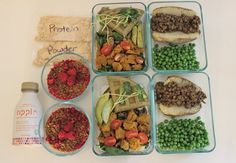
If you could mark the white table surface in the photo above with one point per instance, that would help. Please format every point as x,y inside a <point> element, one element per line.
<point>18,20</point>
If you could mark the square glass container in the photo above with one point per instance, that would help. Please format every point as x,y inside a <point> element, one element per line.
<point>99,86</point>
<point>206,113</point>
<point>96,26</point>
<point>200,45</point>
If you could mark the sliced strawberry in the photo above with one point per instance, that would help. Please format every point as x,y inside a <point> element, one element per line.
<point>62,77</point>
<point>70,135</point>
<point>71,72</point>
<point>68,126</point>
<point>71,81</point>
<point>62,135</point>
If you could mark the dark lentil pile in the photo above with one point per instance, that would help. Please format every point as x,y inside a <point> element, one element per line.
<point>171,23</point>
<point>171,94</point>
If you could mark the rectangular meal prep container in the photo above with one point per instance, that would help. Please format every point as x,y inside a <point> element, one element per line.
<point>200,44</point>
<point>96,25</point>
<point>206,113</point>
<point>99,85</point>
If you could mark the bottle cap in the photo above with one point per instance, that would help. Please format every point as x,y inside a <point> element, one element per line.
<point>29,86</point>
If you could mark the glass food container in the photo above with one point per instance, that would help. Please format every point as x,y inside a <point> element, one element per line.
<point>144,44</point>
<point>66,57</point>
<point>100,85</point>
<point>206,113</point>
<point>42,131</point>
<point>200,45</point>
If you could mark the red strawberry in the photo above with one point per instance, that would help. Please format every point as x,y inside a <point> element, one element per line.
<point>50,81</point>
<point>62,77</point>
<point>70,135</point>
<point>71,72</point>
<point>68,126</point>
<point>71,81</point>
<point>62,135</point>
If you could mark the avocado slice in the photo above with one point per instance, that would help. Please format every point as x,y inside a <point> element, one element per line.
<point>107,110</point>
<point>100,106</point>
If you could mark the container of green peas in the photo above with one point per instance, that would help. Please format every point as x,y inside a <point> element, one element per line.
<point>191,132</point>
<point>174,56</point>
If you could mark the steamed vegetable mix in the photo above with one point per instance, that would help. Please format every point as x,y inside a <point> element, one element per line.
<point>182,134</point>
<point>120,40</point>
<point>175,57</point>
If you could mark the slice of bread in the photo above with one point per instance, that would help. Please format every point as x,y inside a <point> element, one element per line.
<point>174,37</point>
<point>175,110</point>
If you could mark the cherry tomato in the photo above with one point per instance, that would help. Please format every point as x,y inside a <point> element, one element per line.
<point>125,45</point>
<point>115,124</point>
<point>131,134</point>
<point>110,141</point>
<point>143,138</point>
<point>106,49</point>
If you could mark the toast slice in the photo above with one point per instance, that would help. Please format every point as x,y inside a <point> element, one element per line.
<point>115,82</point>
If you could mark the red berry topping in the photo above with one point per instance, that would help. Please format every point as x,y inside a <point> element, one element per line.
<point>71,81</point>
<point>50,81</point>
<point>62,77</point>
<point>71,72</point>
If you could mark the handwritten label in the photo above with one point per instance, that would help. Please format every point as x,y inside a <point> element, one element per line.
<point>50,49</point>
<point>54,28</point>
<point>53,50</point>
<point>61,28</point>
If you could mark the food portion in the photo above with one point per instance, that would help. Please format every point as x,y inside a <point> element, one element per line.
<point>178,96</point>
<point>123,117</point>
<point>182,135</point>
<point>68,79</point>
<point>172,30</point>
<point>67,129</point>
<point>175,57</point>
<point>119,40</point>
<point>174,25</point>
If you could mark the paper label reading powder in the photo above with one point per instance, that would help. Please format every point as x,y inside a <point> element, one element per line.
<point>50,49</point>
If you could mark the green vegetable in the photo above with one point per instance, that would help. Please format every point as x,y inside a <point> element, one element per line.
<point>182,134</point>
<point>107,110</point>
<point>134,34</point>
<point>100,106</point>
<point>175,57</point>
<point>127,88</point>
<point>130,13</point>
<point>107,68</point>
<point>118,37</point>
<point>113,150</point>
<point>101,38</point>
<point>140,36</point>
<point>140,92</point>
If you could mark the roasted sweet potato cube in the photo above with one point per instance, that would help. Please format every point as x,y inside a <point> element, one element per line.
<point>134,144</point>
<point>132,116</point>
<point>124,144</point>
<point>143,119</point>
<point>120,133</point>
<point>129,125</point>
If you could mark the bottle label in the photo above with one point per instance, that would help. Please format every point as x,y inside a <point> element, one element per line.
<point>27,119</point>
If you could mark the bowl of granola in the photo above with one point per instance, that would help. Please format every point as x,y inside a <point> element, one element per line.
<point>66,76</point>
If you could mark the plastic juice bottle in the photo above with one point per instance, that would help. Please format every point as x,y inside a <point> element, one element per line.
<point>27,116</point>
